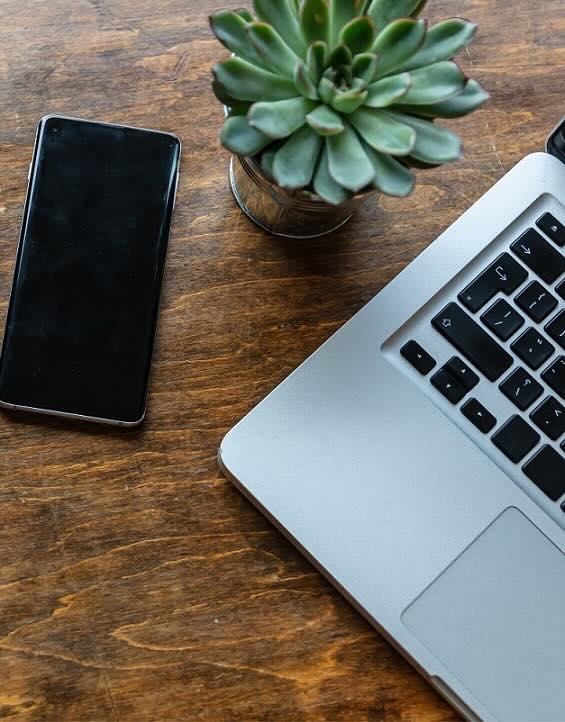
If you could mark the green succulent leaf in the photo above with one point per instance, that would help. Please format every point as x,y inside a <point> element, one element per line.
<point>396,43</point>
<point>239,137</point>
<point>245,14</point>
<point>342,11</point>
<point>391,176</point>
<point>341,55</point>
<point>434,83</point>
<point>434,145</point>
<point>295,162</point>
<point>324,121</point>
<point>364,66</point>
<point>303,82</point>
<point>387,90</point>
<point>348,101</point>
<point>348,162</point>
<point>282,15</point>
<point>385,11</point>
<point>442,42</point>
<point>315,20</point>
<point>316,59</point>
<point>468,100</point>
<point>358,34</point>
<point>281,118</point>
<point>383,132</point>
<point>243,81</point>
<point>235,107</point>
<point>271,48</point>
<point>326,91</point>
<point>324,184</point>
<point>230,29</point>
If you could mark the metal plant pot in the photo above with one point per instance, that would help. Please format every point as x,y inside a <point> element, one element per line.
<point>292,214</point>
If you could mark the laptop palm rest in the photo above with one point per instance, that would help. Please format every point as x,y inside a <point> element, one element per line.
<point>495,618</point>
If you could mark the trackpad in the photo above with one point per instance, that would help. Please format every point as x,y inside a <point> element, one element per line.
<point>496,619</point>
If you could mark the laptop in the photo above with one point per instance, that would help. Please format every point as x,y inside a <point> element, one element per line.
<point>418,457</point>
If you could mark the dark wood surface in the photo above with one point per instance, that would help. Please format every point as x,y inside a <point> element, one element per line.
<point>135,582</point>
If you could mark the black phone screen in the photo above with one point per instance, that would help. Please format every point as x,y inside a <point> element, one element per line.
<point>84,303</point>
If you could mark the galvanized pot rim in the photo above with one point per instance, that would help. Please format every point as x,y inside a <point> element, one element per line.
<point>299,197</point>
<point>294,214</point>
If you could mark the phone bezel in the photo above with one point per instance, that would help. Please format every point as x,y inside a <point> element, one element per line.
<point>30,175</point>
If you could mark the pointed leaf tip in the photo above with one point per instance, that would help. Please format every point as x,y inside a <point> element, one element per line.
<point>325,186</point>
<point>315,20</point>
<point>281,118</point>
<point>348,162</point>
<point>282,15</point>
<point>244,81</point>
<point>295,162</point>
<point>359,34</point>
<point>324,121</point>
<point>240,138</point>
<point>272,49</point>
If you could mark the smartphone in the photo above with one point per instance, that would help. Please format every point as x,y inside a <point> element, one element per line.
<point>83,308</point>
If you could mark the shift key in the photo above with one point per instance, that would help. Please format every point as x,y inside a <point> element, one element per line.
<point>472,341</point>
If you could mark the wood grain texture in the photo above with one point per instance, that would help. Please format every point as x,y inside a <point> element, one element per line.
<point>135,583</point>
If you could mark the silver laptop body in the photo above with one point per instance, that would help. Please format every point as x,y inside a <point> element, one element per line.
<point>404,501</point>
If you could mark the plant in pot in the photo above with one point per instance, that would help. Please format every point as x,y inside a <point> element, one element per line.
<point>330,101</point>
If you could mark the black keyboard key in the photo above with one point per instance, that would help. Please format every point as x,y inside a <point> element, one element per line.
<point>560,290</point>
<point>556,329</point>
<point>516,439</point>
<point>536,301</point>
<point>448,386</point>
<point>502,319</point>
<point>554,376</point>
<point>563,445</point>
<point>521,389</point>
<point>547,471</point>
<point>472,341</point>
<point>552,228</point>
<point>532,348</point>
<point>462,373</point>
<point>550,418</point>
<point>539,255</point>
<point>418,357</point>
<point>480,417</point>
<point>504,274</point>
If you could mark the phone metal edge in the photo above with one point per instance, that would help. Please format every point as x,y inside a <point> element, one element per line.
<point>65,414</point>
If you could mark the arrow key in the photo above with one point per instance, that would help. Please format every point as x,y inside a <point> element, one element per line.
<point>462,373</point>
<point>448,386</point>
<point>543,258</point>
<point>552,228</point>
<point>418,357</point>
<point>480,417</point>
<point>550,418</point>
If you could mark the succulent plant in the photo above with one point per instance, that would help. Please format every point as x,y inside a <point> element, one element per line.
<point>335,96</point>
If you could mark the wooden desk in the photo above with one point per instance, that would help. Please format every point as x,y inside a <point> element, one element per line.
<point>135,583</point>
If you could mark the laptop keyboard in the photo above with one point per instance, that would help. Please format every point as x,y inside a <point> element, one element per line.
<point>506,329</point>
